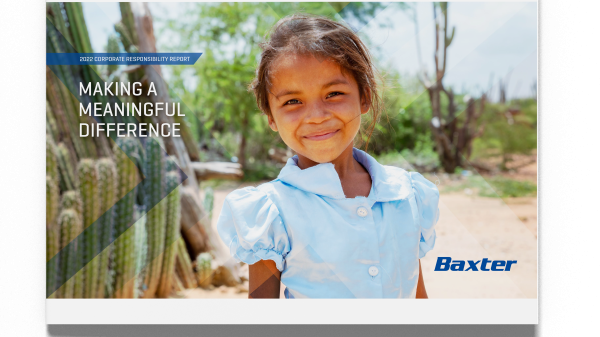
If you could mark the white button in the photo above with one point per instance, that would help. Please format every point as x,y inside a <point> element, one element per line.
<point>362,212</point>
<point>373,271</point>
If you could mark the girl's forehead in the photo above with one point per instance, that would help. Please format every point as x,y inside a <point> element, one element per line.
<point>302,66</point>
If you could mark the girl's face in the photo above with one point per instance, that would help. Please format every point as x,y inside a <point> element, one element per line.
<point>315,107</point>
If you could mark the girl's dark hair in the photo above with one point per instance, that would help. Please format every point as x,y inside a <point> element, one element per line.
<point>322,38</point>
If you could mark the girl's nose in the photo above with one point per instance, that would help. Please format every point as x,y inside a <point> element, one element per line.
<point>317,113</point>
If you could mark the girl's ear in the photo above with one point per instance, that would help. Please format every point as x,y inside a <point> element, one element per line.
<point>272,124</point>
<point>365,102</point>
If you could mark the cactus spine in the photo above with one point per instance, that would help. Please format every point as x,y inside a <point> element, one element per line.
<point>68,179</point>
<point>127,179</point>
<point>70,227</point>
<point>173,211</point>
<point>107,186</point>
<point>155,219</point>
<point>52,234</point>
<point>88,189</point>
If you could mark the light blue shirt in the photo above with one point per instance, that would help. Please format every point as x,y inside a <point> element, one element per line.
<point>330,246</point>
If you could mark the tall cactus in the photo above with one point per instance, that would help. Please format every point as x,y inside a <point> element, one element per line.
<point>124,245</point>
<point>173,211</point>
<point>68,178</point>
<point>88,189</point>
<point>155,219</point>
<point>51,163</point>
<point>52,234</point>
<point>51,126</point>
<point>70,227</point>
<point>112,47</point>
<point>141,249</point>
<point>107,186</point>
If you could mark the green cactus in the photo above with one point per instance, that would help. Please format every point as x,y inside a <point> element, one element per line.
<point>51,126</point>
<point>185,262</point>
<point>124,245</point>
<point>155,219</point>
<point>209,199</point>
<point>112,47</point>
<point>141,250</point>
<point>204,269</point>
<point>171,164</point>
<point>52,234</point>
<point>72,200</point>
<point>51,162</point>
<point>128,21</point>
<point>107,186</point>
<point>67,176</point>
<point>124,34</point>
<point>173,212</point>
<point>70,227</point>
<point>88,189</point>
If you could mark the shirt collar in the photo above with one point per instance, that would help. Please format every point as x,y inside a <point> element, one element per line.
<point>388,182</point>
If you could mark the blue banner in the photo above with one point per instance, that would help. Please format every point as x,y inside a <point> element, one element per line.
<point>121,58</point>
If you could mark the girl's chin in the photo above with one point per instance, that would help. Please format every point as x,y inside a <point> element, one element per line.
<point>323,155</point>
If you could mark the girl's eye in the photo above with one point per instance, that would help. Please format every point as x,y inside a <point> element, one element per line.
<point>335,93</point>
<point>292,101</point>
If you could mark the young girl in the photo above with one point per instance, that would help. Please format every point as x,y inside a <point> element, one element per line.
<point>335,223</point>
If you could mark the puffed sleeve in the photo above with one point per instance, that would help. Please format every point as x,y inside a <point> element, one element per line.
<point>427,197</point>
<point>250,225</point>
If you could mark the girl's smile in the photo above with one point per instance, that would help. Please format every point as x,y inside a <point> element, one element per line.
<point>315,106</point>
<point>321,135</point>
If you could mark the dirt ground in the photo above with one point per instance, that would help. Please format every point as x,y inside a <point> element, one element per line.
<point>469,228</point>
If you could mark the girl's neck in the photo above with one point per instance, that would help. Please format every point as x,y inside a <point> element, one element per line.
<point>345,164</point>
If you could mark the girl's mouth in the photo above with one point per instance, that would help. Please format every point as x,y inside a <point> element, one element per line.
<point>321,135</point>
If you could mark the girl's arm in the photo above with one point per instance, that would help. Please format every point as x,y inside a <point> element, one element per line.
<point>421,292</point>
<point>264,280</point>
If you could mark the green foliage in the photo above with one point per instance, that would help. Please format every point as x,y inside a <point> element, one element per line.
<point>420,159</point>
<point>507,133</point>
<point>495,187</point>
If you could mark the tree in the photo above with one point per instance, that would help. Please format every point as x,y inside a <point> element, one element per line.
<point>453,141</point>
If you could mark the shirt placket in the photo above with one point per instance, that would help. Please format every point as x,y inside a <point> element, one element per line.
<point>373,271</point>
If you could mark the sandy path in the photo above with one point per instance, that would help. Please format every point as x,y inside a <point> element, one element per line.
<point>470,228</point>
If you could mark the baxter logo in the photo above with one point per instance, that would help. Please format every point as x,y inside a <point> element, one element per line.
<point>446,263</point>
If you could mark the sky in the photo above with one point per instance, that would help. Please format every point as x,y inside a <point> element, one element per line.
<point>492,41</point>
